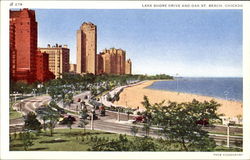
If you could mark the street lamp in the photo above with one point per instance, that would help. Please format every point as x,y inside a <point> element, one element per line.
<point>228,123</point>
<point>92,119</point>
<point>47,90</point>
<point>15,93</point>
<point>228,134</point>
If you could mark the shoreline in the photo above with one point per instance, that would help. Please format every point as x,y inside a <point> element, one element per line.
<point>191,93</point>
<point>133,96</point>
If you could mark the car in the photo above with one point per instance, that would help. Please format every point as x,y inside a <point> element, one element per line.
<point>95,117</point>
<point>66,119</point>
<point>203,122</point>
<point>140,119</point>
<point>102,111</point>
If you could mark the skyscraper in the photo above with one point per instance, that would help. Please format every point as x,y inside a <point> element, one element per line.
<point>86,48</point>
<point>23,45</point>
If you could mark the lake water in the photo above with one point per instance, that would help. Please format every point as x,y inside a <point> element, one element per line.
<point>225,88</point>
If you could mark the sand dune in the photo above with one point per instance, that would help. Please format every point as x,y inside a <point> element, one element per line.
<point>133,96</point>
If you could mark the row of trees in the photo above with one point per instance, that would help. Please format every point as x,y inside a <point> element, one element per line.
<point>178,122</point>
<point>82,82</point>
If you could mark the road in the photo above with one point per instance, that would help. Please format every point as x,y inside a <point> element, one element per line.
<point>107,123</point>
<point>103,98</point>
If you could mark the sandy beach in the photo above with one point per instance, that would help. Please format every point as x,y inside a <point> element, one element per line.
<point>133,96</point>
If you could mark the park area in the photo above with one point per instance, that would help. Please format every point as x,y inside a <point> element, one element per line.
<point>89,140</point>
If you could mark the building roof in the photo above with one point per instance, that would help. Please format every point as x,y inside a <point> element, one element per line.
<point>14,14</point>
<point>22,13</point>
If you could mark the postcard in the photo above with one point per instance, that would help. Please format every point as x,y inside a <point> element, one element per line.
<point>125,80</point>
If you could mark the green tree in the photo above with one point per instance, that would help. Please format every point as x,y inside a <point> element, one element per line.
<point>146,128</point>
<point>179,122</point>
<point>70,121</point>
<point>26,138</point>
<point>50,115</point>
<point>142,144</point>
<point>134,130</point>
<point>21,87</point>
<point>82,124</point>
<point>68,98</point>
<point>31,122</point>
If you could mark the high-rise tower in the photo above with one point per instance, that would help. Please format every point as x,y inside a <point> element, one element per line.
<point>23,45</point>
<point>87,48</point>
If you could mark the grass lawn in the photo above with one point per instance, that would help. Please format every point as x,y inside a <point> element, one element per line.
<point>62,140</point>
<point>14,114</point>
<point>76,140</point>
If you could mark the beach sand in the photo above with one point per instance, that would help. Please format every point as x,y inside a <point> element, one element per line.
<point>133,96</point>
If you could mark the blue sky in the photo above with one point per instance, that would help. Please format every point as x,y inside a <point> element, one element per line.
<point>187,42</point>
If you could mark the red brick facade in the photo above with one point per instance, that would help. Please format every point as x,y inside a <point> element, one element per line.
<point>112,61</point>
<point>23,46</point>
<point>42,67</point>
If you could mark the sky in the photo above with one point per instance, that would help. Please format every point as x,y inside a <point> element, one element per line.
<point>196,43</point>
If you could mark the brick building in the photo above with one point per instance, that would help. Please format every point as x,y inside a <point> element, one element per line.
<point>128,65</point>
<point>58,59</point>
<point>87,48</point>
<point>112,61</point>
<point>26,63</point>
<point>42,67</point>
<point>23,45</point>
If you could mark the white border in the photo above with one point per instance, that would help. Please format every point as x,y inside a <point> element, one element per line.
<point>6,154</point>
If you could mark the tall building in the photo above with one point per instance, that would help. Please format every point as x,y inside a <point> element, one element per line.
<point>23,45</point>
<point>128,67</point>
<point>86,48</point>
<point>42,67</point>
<point>112,61</point>
<point>58,59</point>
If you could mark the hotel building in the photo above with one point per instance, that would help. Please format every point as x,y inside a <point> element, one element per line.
<point>87,48</point>
<point>113,61</point>
<point>58,59</point>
